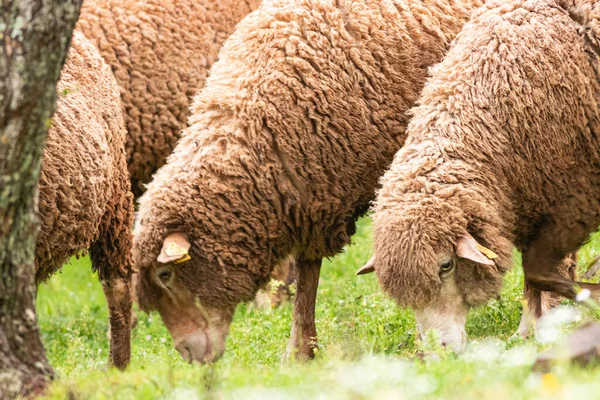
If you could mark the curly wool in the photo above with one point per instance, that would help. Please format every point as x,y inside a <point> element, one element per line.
<point>161,52</point>
<point>84,197</point>
<point>503,145</point>
<point>299,118</point>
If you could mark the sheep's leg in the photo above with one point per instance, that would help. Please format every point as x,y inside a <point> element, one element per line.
<point>303,339</point>
<point>537,302</point>
<point>532,310</point>
<point>111,257</point>
<point>542,261</point>
<point>118,296</point>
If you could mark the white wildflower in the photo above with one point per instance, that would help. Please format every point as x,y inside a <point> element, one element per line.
<point>551,327</point>
<point>486,351</point>
<point>583,295</point>
<point>519,356</point>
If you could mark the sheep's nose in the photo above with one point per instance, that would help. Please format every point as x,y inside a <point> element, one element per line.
<point>193,347</point>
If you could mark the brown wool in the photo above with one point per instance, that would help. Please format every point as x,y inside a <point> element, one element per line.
<point>161,52</point>
<point>300,116</point>
<point>502,146</point>
<point>85,201</point>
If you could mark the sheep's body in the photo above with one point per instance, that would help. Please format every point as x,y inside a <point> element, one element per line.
<point>298,119</point>
<point>84,197</point>
<point>503,148</point>
<point>161,52</point>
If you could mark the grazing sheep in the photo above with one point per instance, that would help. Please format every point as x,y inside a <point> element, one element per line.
<point>160,52</point>
<point>501,150</point>
<point>298,119</point>
<point>84,197</point>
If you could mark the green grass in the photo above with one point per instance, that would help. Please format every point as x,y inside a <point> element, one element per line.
<point>367,347</point>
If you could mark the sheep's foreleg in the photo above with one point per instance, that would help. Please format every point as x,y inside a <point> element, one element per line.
<point>303,339</point>
<point>118,297</point>
<point>111,257</point>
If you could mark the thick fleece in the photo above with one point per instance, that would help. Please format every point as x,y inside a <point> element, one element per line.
<point>84,197</point>
<point>161,52</point>
<point>503,148</point>
<point>298,119</point>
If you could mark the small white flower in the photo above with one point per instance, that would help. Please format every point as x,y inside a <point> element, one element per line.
<point>149,337</point>
<point>487,351</point>
<point>99,351</point>
<point>519,356</point>
<point>367,375</point>
<point>552,326</point>
<point>583,295</point>
<point>163,340</point>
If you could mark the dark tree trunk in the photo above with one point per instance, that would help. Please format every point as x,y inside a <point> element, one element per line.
<point>34,39</point>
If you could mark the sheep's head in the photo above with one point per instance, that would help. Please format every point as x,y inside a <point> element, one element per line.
<point>431,255</point>
<point>195,297</point>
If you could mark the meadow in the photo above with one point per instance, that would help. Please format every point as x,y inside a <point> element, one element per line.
<point>368,346</point>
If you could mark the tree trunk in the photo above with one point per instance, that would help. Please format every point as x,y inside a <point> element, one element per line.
<point>34,39</point>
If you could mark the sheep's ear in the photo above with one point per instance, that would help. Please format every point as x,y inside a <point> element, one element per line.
<point>468,248</point>
<point>367,268</point>
<point>175,249</point>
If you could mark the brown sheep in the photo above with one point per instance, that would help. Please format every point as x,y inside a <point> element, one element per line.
<point>298,119</point>
<point>161,52</point>
<point>501,150</point>
<point>84,197</point>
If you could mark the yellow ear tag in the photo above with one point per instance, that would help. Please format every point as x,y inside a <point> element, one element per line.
<point>185,258</point>
<point>173,249</point>
<point>488,253</point>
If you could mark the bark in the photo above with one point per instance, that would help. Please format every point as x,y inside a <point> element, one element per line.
<point>34,39</point>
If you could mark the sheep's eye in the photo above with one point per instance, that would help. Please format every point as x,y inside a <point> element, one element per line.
<point>165,274</point>
<point>447,265</point>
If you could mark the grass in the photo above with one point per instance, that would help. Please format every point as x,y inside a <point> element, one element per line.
<point>367,347</point>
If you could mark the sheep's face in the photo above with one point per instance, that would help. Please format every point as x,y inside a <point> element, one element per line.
<point>195,299</point>
<point>447,311</point>
<point>431,263</point>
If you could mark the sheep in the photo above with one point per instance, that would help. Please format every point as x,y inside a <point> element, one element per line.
<point>85,200</point>
<point>160,52</point>
<point>501,150</point>
<point>300,116</point>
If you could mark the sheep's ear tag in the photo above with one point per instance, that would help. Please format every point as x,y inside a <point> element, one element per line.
<point>488,253</point>
<point>175,249</point>
<point>367,268</point>
<point>468,248</point>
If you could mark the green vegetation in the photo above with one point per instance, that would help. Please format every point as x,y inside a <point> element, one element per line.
<point>368,347</point>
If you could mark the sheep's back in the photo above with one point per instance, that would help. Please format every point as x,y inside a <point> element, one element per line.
<point>516,99</point>
<point>81,158</point>
<point>161,52</point>
<point>320,90</point>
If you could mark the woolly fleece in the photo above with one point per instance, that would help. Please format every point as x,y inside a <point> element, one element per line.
<point>298,119</point>
<point>161,52</point>
<point>503,146</point>
<point>84,197</point>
